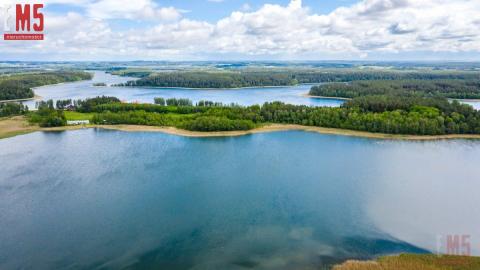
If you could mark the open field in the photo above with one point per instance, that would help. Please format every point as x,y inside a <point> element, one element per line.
<point>14,126</point>
<point>73,116</point>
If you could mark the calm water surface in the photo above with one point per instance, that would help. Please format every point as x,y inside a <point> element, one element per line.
<point>286,200</point>
<point>474,104</point>
<point>246,96</point>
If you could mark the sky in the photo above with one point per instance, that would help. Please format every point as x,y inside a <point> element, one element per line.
<point>185,30</point>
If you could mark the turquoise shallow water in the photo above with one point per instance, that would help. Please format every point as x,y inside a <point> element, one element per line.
<point>285,200</point>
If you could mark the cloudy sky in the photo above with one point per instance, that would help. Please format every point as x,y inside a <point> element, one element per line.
<point>253,30</point>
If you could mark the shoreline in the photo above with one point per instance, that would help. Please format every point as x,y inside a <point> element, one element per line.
<point>325,97</point>
<point>62,83</point>
<point>35,97</point>
<point>192,88</point>
<point>466,100</point>
<point>279,128</point>
<point>13,126</point>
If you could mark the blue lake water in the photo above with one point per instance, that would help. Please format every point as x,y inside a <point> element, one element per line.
<point>286,200</point>
<point>245,96</point>
<point>474,104</point>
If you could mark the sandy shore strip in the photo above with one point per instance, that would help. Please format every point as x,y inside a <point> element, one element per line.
<point>17,125</point>
<point>211,89</point>
<point>284,127</point>
<point>13,126</point>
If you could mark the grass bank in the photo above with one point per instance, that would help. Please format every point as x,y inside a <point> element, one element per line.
<point>75,116</point>
<point>414,262</point>
<point>13,126</point>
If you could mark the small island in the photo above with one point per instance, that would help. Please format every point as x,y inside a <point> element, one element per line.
<point>101,84</point>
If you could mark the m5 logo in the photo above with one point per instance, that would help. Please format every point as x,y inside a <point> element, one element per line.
<point>29,22</point>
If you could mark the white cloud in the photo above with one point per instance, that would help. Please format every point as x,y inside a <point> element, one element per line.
<point>127,9</point>
<point>292,31</point>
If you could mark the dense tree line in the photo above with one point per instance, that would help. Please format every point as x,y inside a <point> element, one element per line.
<point>417,120</point>
<point>206,103</point>
<point>178,102</point>
<point>9,109</point>
<point>19,86</point>
<point>88,104</point>
<point>185,102</point>
<point>320,76</point>
<point>408,115</point>
<point>171,105</point>
<point>391,103</point>
<point>138,73</point>
<point>213,123</point>
<point>63,104</point>
<point>460,89</point>
<point>249,78</point>
<point>9,91</point>
<point>47,116</point>
<point>415,115</point>
<point>214,79</point>
<point>184,121</point>
<point>139,117</point>
<point>127,107</point>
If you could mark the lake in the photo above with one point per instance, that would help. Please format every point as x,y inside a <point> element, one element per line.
<point>94,198</point>
<point>474,104</point>
<point>244,96</point>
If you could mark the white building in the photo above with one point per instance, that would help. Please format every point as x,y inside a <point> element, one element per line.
<point>78,122</point>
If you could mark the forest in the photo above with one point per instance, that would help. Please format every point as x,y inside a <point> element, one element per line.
<point>451,88</point>
<point>19,86</point>
<point>379,114</point>
<point>47,116</point>
<point>9,109</point>
<point>213,79</point>
<point>272,77</point>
